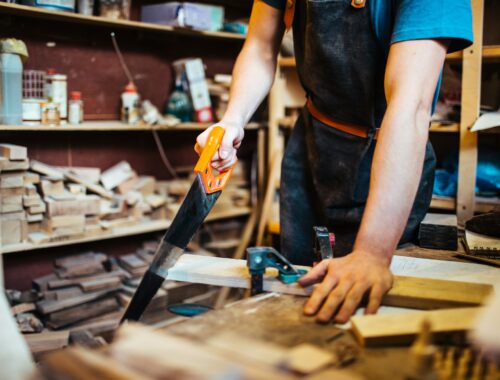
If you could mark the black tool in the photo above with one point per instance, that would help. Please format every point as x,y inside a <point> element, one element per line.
<point>200,199</point>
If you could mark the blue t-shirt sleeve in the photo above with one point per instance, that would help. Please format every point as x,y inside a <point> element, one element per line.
<point>430,19</point>
<point>278,4</point>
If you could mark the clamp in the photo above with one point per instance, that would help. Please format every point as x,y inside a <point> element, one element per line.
<point>324,242</point>
<point>261,258</point>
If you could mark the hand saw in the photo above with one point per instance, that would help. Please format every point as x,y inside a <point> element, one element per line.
<point>200,199</point>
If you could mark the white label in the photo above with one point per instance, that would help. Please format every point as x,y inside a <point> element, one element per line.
<point>57,91</point>
<point>75,114</point>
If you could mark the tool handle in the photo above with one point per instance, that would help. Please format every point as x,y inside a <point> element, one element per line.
<point>211,182</point>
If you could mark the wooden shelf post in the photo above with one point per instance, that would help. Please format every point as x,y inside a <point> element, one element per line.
<point>471,98</point>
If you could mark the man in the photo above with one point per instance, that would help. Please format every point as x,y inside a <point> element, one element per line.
<point>358,160</point>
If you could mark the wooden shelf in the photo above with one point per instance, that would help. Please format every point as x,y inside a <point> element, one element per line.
<point>449,203</point>
<point>489,52</point>
<point>448,128</point>
<point>107,126</point>
<point>23,10</point>
<point>139,229</point>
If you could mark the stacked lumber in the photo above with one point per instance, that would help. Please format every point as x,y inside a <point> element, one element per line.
<point>86,294</point>
<point>14,215</point>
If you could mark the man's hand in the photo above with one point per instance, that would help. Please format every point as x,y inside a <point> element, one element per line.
<point>344,282</point>
<point>226,155</point>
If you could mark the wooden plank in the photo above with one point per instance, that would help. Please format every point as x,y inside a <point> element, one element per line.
<point>11,180</point>
<point>84,205</point>
<point>376,330</point>
<point>116,175</point>
<point>89,185</point>
<point>24,307</point>
<point>7,165</point>
<point>14,152</point>
<point>46,170</point>
<point>81,312</point>
<point>406,292</point>
<point>471,98</point>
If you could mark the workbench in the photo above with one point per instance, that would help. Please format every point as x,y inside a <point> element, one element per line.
<point>278,318</point>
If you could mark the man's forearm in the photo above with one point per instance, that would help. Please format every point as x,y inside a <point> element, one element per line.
<point>396,170</point>
<point>253,76</point>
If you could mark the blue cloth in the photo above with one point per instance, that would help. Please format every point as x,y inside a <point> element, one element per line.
<point>403,20</point>
<point>487,177</point>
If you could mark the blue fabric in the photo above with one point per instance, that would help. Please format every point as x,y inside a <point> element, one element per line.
<point>487,177</point>
<point>403,20</point>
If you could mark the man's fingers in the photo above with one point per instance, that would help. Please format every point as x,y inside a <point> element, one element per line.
<point>351,302</point>
<point>227,144</point>
<point>315,275</point>
<point>319,294</point>
<point>335,298</point>
<point>376,294</point>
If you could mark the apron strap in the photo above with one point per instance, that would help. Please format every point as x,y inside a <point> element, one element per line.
<point>352,129</point>
<point>290,11</point>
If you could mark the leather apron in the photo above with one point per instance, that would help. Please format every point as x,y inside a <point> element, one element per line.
<point>325,171</point>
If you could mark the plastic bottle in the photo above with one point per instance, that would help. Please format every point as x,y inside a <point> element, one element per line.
<point>57,91</point>
<point>179,104</point>
<point>11,81</point>
<point>130,105</point>
<point>75,115</point>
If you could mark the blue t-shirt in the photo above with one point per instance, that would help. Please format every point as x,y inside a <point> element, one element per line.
<point>403,20</point>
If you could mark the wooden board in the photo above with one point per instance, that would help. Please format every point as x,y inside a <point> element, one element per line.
<point>116,175</point>
<point>81,312</point>
<point>48,306</point>
<point>376,330</point>
<point>407,292</point>
<point>438,231</point>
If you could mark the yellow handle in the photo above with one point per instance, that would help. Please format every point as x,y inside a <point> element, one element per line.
<point>203,166</point>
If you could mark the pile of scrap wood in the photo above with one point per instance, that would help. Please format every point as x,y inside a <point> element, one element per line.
<point>42,203</point>
<point>86,295</point>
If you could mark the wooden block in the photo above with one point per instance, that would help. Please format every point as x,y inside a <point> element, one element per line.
<point>77,189</point>
<point>11,231</point>
<point>49,187</point>
<point>102,283</point>
<point>89,174</point>
<point>30,190</point>
<point>17,215</point>
<point>406,292</point>
<point>116,175</point>
<point>11,191</point>
<point>46,170</point>
<point>28,323</point>
<point>154,200</point>
<point>133,264</point>
<point>7,165</point>
<point>49,307</point>
<point>85,205</point>
<point>13,152</point>
<point>307,358</point>
<point>84,339</point>
<point>82,265</point>
<point>427,293</point>
<point>63,294</point>
<point>78,363</point>
<point>93,230</point>
<point>67,232</point>
<point>11,203</point>
<point>41,208</point>
<point>64,221</point>
<point>11,180</point>
<point>68,261</point>
<point>31,200</point>
<point>25,307</point>
<point>81,312</point>
<point>145,185</point>
<point>47,341</point>
<point>127,185</point>
<point>438,231</point>
<point>31,178</point>
<point>179,187</point>
<point>394,329</point>
<point>42,283</point>
<point>34,218</point>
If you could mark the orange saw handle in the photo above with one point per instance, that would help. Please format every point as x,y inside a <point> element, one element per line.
<point>211,183</point>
